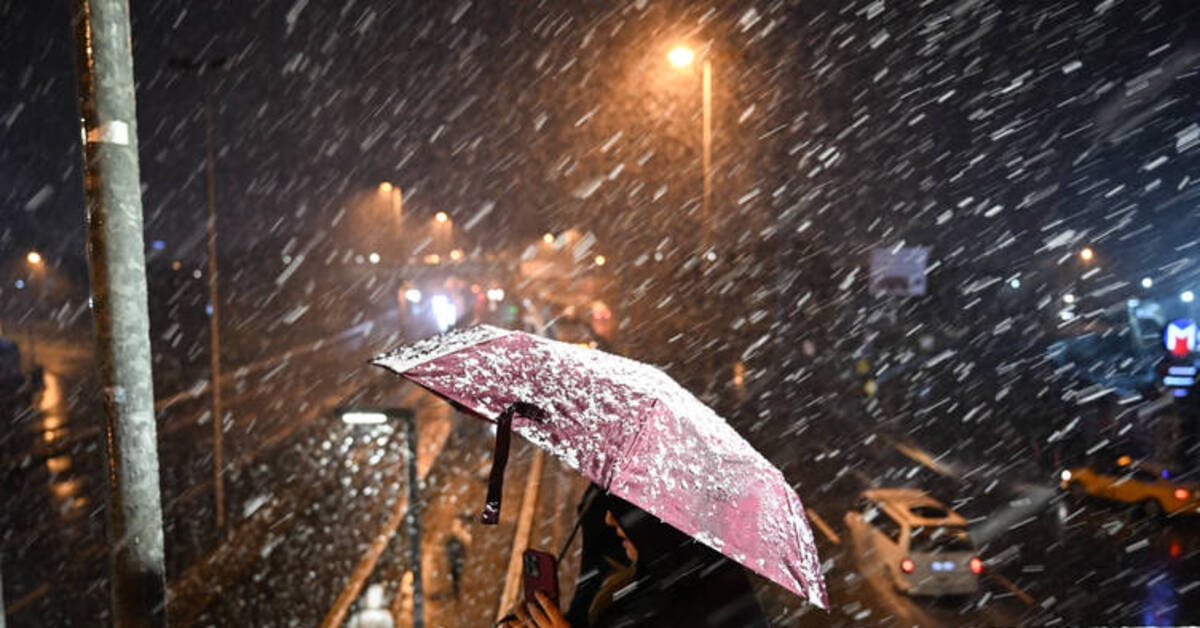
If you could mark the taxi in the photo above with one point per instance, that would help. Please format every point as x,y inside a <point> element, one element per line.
<point>1128,481</point>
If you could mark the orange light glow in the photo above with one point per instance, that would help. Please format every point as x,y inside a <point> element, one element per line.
<point>681,56</point>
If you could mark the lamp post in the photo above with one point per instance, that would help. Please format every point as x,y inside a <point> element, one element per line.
<point>681,57</point>
<point>396,197</point>
<point>214,320</point>
<point>37,263</point>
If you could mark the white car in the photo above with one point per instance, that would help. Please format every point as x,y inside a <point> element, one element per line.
<point>920,544</point>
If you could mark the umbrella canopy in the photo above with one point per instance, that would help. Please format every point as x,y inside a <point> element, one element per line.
<point>633,430</point>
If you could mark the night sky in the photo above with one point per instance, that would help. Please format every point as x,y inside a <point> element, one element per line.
<point>958,124</point>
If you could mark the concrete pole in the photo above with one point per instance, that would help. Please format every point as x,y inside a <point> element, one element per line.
<point>116,255</point>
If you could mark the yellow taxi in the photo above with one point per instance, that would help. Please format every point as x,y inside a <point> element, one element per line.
<point>1128,481</point>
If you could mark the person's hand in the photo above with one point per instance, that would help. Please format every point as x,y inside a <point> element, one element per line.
<point>542,614</point>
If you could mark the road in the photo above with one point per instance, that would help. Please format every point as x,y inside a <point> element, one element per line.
<point>315,508</point>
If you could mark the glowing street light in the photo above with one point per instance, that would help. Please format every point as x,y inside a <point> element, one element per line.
<point>34,258</point>
<point>1087,254</point>
<point>386,187</point>
<point>374,258</point>
<point>548,238</point>
<point>441,217</point>
<point>1068,298</point>
<point>681,56</point>
<point>1147,283</point>
<point>1187,296</point>
<point>600,260</point>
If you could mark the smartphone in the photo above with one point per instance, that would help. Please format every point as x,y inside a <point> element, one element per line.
<point>540,574</point>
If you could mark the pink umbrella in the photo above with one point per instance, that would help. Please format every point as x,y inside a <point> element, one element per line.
<point>631,429</point>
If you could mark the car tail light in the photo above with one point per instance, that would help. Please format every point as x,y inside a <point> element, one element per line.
<point>1181,494</point>
<point>907,565</point>
<point>976,565</point>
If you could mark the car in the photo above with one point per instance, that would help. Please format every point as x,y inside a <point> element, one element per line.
<point>919,543</point>
<point>1146,483</point>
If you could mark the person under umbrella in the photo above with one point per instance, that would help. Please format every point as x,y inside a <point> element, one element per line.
<point>673,582</point>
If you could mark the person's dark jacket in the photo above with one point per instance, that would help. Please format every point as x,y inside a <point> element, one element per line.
<point>679,581</point>
<point>601,546</point>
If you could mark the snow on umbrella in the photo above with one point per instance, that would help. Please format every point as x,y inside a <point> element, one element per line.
<point>631,429</point>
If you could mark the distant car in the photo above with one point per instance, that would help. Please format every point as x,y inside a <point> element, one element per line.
<point>1125,480</point>
<point>921,544</point>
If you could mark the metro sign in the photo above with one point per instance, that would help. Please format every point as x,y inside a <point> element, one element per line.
<point>1179,338</point>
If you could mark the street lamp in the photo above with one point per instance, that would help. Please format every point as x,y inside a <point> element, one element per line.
<point>396,197</point>
<point>680,57</point>
<point>1147,283</point>
<point>201,67</point>
<point>34,258</point>
<point>1087,254</point>
<point>441,217</point>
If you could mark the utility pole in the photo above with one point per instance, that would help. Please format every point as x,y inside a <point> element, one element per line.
<point>214,318</point>
<point>117,261</point>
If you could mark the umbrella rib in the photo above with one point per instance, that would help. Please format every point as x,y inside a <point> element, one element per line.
<point>631,447</point>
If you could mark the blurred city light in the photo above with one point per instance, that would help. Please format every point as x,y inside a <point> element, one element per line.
<point>20,284</point>
<point>385,187</point>
<point>456,255</point>
<point>495,294</point>
<point>364,418</point>
<point>374,257</point>
<point>158,245</point>
<point>600,260</point>
<point>444,312</point>
<point>412,295</point>
<point>1187,296</point>
<point>34,258</point>
<point>1068,298</point>
<point>441,217</point>
<point>548,238</point>
<point>681,56</point>
<point>1087,254</point>
<point>1014,283</point>
<point>1066,315</point>
<point>1147,282</point>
